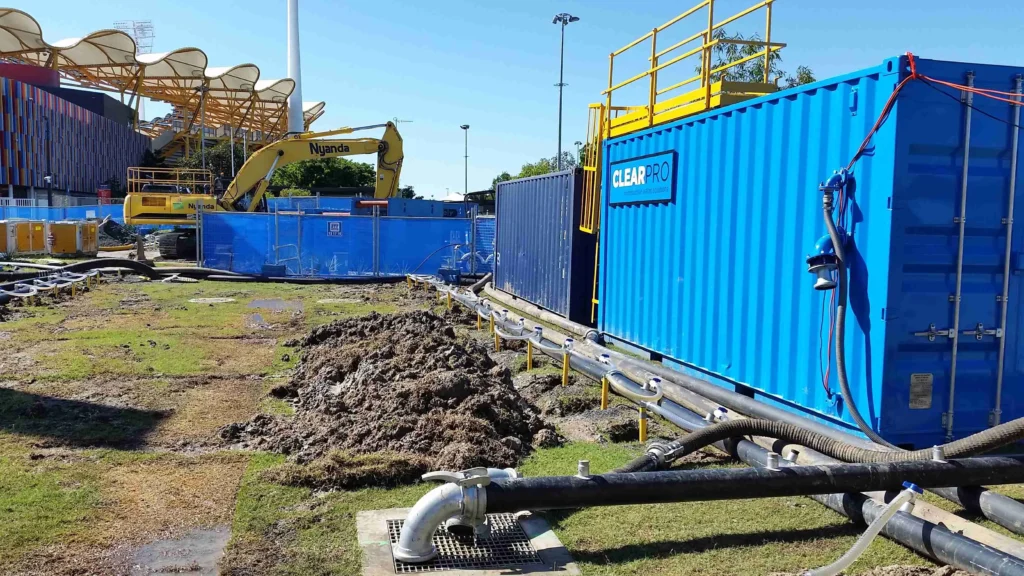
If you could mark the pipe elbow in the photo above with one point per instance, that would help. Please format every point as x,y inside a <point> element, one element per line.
<point>438,505</point>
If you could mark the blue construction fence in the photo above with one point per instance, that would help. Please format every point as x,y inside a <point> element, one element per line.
<point>338,246</point>
<point>309,203</point>
<point>96,211</point>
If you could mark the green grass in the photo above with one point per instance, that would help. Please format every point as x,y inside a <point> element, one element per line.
<point>40,507</point>
<point>316,534</point>
<point>286,531</point>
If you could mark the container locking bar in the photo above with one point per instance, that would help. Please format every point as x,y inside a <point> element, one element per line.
<point>980,332</point>
<point>932,333</point>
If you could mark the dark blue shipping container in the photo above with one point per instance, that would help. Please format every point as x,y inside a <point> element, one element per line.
<point>709,270</point>
<point>540,254</point>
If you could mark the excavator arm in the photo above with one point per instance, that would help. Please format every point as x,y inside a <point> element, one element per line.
<point>246,191</point>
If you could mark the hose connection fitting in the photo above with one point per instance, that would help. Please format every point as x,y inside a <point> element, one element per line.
<point>460,504</point>
<point>822,263</point>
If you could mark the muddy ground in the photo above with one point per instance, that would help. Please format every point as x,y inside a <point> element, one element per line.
<point>115,406</point>
<point>405,387</point>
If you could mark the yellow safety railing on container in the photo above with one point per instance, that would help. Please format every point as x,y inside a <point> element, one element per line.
<point>709,93</point>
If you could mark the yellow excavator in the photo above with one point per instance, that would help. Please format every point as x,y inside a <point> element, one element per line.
<point>173,196</point>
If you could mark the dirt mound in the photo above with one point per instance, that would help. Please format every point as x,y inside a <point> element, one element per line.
<point>402,383</point>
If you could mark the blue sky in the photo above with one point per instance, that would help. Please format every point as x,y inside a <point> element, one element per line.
<point>493,64</point>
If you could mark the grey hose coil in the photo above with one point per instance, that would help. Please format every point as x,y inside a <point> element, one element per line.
<point>985,441</point>
<point>844,383</point>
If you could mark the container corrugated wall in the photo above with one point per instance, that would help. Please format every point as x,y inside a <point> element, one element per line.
<point>540,255</point>
<point>715,278</point>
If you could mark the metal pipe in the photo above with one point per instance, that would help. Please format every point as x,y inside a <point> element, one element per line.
<point>561,492</point>
<point>969,99</point>
<point>1003,301</point>
<point>686,392</point>
<point>440,504</point>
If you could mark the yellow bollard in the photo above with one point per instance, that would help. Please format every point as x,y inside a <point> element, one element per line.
<point>565,369</point>
<point>56,291</point>
<point>73,286</point>
<point>643,424</point>
<point>479,321</point>
<point>529,355</point>
<point>449,300</point>
<point>604,393</point>
<point>491,316</point>
<point>408,282</point>
<point>497,342</point>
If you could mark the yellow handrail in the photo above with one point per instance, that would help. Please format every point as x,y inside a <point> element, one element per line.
<point>707,72</point>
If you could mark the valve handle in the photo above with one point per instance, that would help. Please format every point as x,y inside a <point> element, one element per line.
<point>464,478</point>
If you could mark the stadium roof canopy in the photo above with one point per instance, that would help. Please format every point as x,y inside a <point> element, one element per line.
<point>108,60</point>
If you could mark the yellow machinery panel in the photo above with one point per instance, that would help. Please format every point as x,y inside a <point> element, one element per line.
<point>72,238</point>
<point>3,236</point>
<point>90,240</point>
<point>64,238</point>
<point>29,237</point>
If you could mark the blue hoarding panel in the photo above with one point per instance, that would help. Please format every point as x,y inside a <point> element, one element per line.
<point>647,178</point>
<point>540,254</point>
<point>485,228</point>
<point>332,246</point>
<point>716,279</point>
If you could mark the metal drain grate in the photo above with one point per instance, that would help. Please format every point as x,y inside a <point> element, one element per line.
<point>507,547</point>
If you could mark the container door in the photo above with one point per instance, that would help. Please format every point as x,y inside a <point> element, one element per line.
<point>957,267</point>
<point>38,239</point>
<point>24,237</point>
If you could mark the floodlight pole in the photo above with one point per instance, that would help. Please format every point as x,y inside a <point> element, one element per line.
<point>296,122</point>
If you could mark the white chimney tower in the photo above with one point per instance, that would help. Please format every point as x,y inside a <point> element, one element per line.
<point>295,117</point>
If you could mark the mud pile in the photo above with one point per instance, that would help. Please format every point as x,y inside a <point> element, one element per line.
<point>400,383</point>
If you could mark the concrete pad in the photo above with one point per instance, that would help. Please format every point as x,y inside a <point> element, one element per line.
<point>372,533</point>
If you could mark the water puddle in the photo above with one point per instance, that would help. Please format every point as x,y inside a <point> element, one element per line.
<point>276,304</point>
<point>196,553</point>
<point>256,321</point>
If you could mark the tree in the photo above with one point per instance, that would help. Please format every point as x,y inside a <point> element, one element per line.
<point>218,158</point>
<point>752,70</point>
<point>152,159</point>
<point>408,192</point>
<point>503,177</point>
<point>803,75</point>
<point>325,173</point>
<point>538,168</point>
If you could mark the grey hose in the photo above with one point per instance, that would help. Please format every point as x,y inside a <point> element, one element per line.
<point>844,383</point>
<point>479,284</point>
<point>974,444</point>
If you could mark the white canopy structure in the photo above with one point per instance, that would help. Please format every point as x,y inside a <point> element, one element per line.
<point>107,60</point>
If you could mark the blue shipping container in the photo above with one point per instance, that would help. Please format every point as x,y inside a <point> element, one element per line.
<point>540,254</point>
<point>710,271</point>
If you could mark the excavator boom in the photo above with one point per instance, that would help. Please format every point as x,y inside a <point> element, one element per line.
<point>172,200</point>
<point>246,191</point>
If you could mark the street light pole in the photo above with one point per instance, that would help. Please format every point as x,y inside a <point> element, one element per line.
<point>465,129</point>
<point>578,159</point>
<point>564,18</point>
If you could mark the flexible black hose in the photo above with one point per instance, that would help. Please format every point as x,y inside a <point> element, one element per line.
<point>479,284</point>
<point>844,383</point>
<point>84,266</point>
<point>646,463</point>
<point>981,442</point>
<point>561,492</point>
